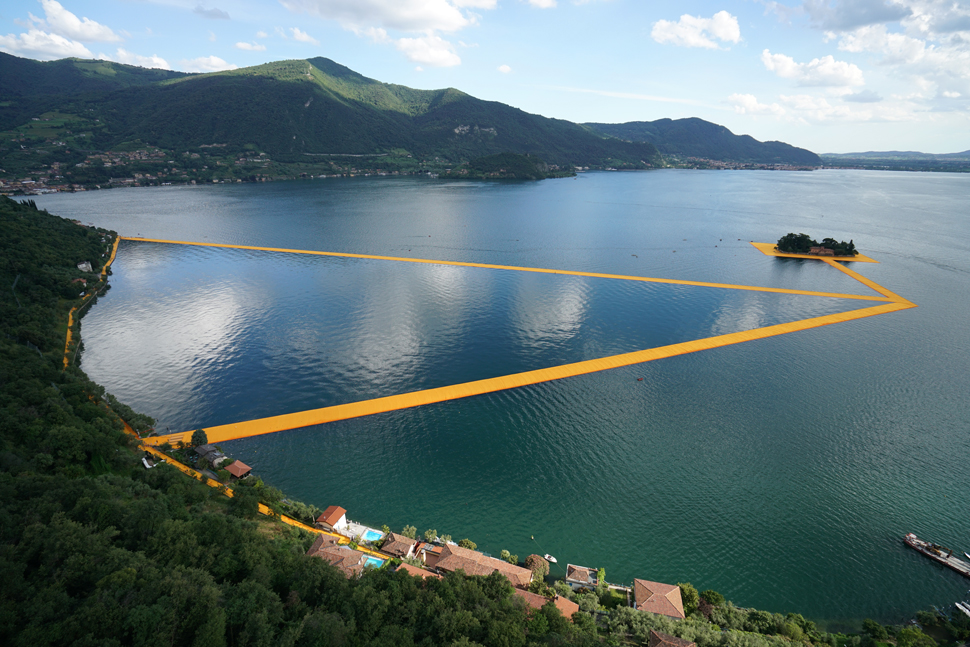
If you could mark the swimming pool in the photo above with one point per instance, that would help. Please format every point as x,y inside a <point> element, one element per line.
<point>371,535</point>
<point>373,562</point>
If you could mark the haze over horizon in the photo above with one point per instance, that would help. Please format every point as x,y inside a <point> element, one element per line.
<point>832,77</point>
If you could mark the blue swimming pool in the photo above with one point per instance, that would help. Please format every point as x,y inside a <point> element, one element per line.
<point>373,562</point>
<point>372,535</point>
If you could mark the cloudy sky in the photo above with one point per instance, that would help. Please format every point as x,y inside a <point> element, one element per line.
<point>827,75</point>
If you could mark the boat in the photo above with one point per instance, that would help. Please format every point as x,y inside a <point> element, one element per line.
<point>549,558</point>
<point>967,554</point>
<point>962,606</point>
<point>938,553</point>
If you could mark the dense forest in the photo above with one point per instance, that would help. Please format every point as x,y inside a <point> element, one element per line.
<point>97,550</point>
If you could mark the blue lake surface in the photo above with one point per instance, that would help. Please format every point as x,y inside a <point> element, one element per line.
<point>781,472</point>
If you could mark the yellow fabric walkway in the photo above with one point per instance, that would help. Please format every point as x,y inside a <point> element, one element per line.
<point>890,303</point>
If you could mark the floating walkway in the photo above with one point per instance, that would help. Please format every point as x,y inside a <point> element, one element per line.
<point>889,302</point>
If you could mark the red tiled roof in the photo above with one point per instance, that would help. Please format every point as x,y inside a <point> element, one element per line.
<point>581,574</point>
<point>420,572</point>
<point>398,545</point>
<point>473,562</point>
<point>658,598</point>
<point>348,561</point>
<point>331,515</point>
<point>239,469</point>
<point>566,607</point>
<point>658,639</point>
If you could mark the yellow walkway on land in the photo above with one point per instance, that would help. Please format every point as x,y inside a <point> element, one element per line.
<point>892,303</point>
<point>70,315</point>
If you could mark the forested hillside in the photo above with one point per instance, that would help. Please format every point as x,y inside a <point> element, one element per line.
<point>295,111</point>
<point>701,139</point>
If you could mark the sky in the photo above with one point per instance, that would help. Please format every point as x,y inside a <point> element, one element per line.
<point>832,76</point>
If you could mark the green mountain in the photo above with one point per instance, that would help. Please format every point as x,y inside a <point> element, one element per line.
<point>295,110</point>
<point>698,138</point>
<point>24,77</point>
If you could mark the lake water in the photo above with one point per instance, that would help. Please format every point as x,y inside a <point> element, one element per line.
<point>781,472</point>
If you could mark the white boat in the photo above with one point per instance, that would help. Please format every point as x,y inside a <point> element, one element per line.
<point>549,558</point>
<point>967,554</point>
<point>962,606</point>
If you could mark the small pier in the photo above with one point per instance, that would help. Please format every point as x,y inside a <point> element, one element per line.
<point>938,553</point>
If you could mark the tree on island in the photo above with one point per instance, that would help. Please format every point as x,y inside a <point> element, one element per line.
<point>802,244</point>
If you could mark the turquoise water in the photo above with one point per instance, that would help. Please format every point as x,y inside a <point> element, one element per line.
<point>373,562</point>
<point>370,535</point>
<point>781,472</point>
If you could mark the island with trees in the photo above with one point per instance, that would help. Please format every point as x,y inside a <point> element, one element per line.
<point>802,244</point>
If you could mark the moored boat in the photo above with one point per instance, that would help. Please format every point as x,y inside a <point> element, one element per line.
<point>938,553</point>
<point>549,558</point>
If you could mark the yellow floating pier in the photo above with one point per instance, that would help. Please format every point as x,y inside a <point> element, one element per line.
<point>890,302</point>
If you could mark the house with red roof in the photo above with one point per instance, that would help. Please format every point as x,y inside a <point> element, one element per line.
<point>659,639</point>
<point>535,601</point>
<point>239,469</point>
<point>454,557</point>
<point>579,577</point>
<point>398,545</point>
<point>656,597</point>
<point>414,570</point>
<point>333,518</point>
<point>348,561</point>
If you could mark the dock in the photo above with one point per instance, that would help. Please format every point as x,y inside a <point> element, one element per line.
<point>937,553</point>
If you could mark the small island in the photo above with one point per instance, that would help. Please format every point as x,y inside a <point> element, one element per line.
<point>507,166</point>
<point>802,244</point>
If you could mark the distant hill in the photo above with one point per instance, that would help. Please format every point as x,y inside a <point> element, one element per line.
<point>900,161</point>
<point>702,139</point>
<point>294,110</point>
<point>24,77</point>
<point>884,155</point>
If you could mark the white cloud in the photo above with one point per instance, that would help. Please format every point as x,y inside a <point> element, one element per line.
<point>129,58</point>
<point>262,34</point>
<point>504,69</point>
<point>951,95</point>
<point>302,36</point>
<point>64,23</point>
<point>42,45</point>
<point>825,71</point>
<point>212,36</point>
<point>748,104</point>
<point>475,4</point>
<point>543,4</point>
<point>430,50</point>
<point>251,47</point>
<point>206,64</point>
<point>212,14</point>
<point>694,31</point>
<point>403,15</point>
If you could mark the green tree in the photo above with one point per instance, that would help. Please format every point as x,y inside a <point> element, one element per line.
<point>430,535</point>
<point>199,438</point>
<point>712,597</point>
<point>410,532</point>
<point>601,575</point>
<point>445,539</point>
<point>875,630</point>
<point>538,565</point>
<point>913,637</point>
<point>468,543</point>
<point>689,596</point>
